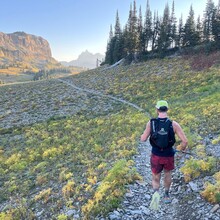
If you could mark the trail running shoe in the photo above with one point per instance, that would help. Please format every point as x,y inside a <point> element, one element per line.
<point>167,199</point>
<point>154,205</point>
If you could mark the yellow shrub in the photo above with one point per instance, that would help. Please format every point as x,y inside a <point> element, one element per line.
<point>64,175</point>
<point>14,158</point>
<point>51,153</point>
<point>43,195</point>
<point>5,216</point>
<point>217,176</point>
<point>41,179</point>
<point>92,180</point>
<point>216,141</point>
<point>68,189</point>
<point>193,168</point>
<point>211,192</point>
<point>62,217</point>
<point>200,150</point>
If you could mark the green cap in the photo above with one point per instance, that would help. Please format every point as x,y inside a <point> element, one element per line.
<point>161,103</point>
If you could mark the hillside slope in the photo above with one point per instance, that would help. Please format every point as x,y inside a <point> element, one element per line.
<point>68,153</point>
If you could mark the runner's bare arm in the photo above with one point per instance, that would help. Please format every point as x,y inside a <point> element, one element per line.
<point>180,133</point>
<point>146,133</point>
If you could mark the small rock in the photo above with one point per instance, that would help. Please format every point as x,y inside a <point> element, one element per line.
<point>129,195</point>
<point>116,213</point>
<point>147,196</point>
<point>76,216</point>
<point>113,216</point>
<point>136,212</point>
<point>145,210</point>
<point>193,186</point>
<point>175,201</point>
<point>38,214</point>
<point>215,208</point>
<point>71,212</point>
<point>142,183</point>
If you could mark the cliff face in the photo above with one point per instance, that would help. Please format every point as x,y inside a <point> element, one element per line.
<point>22,47</point>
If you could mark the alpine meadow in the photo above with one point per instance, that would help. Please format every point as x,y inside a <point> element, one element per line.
<point>70,142</point>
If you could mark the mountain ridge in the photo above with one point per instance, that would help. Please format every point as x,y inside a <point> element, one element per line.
<point>86,59</point>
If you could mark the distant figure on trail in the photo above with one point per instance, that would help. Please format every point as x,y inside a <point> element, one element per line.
<point>162,132</point>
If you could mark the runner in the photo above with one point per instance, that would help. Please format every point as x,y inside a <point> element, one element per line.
<point>162,138</point>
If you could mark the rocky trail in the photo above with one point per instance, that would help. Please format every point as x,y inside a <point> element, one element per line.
<point>39,101</point>
<point>187,204</point>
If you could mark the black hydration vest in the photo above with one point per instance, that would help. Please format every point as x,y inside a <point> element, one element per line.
<point>162,134</point>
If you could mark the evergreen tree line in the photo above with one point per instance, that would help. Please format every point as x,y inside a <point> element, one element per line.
<point>160,35</point>
<point>46,74</point>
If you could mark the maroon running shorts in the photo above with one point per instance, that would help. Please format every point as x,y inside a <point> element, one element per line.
<point>159,163</point>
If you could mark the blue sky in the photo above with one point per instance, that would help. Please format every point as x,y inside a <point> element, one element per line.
<point>73,26</point>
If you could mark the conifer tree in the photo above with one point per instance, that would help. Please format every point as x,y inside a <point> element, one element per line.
<point>155,31</point>
<point>117,50</point>
<point>117,26</point>
<point>140,32</point>
<point>208,20</point>
<point>147,27</point>
<point>109,50</point>
<point>199,30</point>
<point>173,35</point>
<point>190,38</point>
<point>216,25</point>
<point>180,32</point>
<point>129,28</point>
<point>132,37</point>
<point>165,30</point>
<point>125,37</point>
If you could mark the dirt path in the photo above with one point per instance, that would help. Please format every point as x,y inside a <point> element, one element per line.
<point>94,92</point>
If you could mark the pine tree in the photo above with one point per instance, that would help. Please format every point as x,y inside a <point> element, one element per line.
<point>117,26</point>
<point>134,32</point>
<point>132,38</point>
<point>126,40</point>
<point>109,50</point>
<point>173,35</point>
<point>189,38</point>
<point>208,20</point>
<point>129,29</point>
<point>216,25</point>
<point>140,32</point>
<point>165,30</point>
<point>117,50</point>
<point>155,31</point>
<point>147,27</point>
<point>180,32</point>
<point>199,30</point>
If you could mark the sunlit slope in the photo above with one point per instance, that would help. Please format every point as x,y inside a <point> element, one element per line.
<point>193,95</point>
<point>78,155</point>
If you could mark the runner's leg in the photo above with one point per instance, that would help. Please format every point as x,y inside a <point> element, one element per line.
<point>167,180</point>
<point>156,181</point>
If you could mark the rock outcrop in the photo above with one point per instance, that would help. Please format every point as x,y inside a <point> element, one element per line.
<point>25,48</point>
